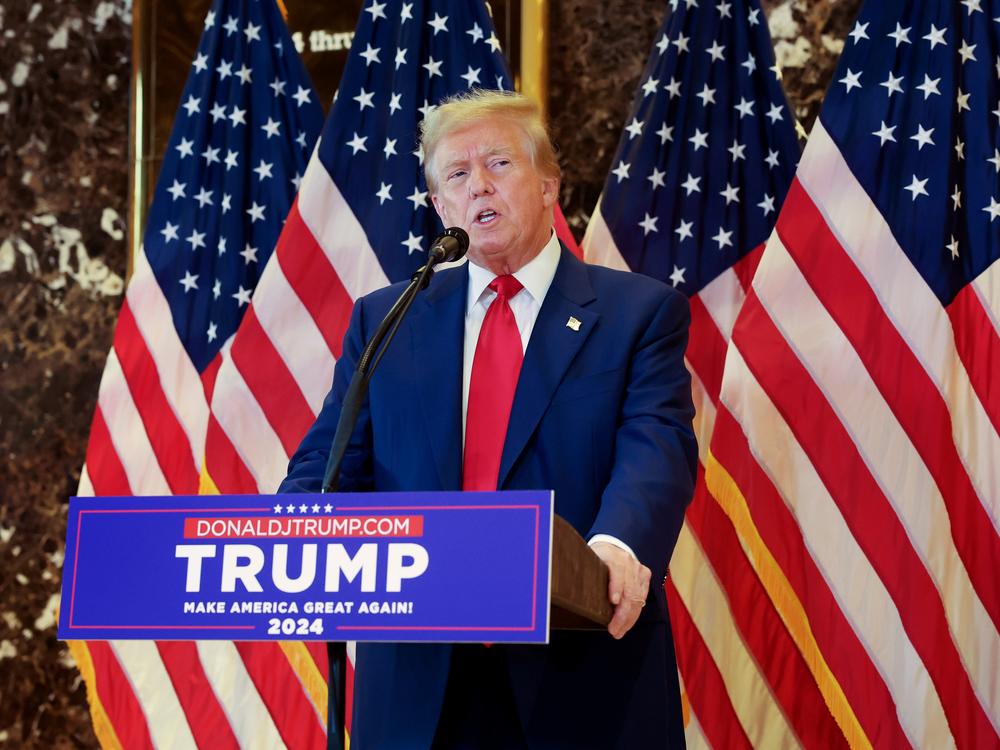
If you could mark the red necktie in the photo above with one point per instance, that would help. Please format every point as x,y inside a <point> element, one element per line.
<point>491,391</point>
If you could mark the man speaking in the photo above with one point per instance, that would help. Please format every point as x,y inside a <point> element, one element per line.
<point>524,369</point>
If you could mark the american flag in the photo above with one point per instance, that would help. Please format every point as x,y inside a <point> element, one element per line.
<point>703,165</point>
<point>241,140</point>
<point>362,219</point>
<point>856,443</point>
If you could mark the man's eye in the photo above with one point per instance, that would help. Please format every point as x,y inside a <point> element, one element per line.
<point>458,173</point>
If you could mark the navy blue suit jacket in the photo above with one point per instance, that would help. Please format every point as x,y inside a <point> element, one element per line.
<point>602,415</point>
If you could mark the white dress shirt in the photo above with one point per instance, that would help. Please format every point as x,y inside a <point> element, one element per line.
<point>536,278</point>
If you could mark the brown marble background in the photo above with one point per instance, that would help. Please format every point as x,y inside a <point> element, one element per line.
<point>64,78</point>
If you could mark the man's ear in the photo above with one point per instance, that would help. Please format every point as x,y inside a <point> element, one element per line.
<point>550,191</point>
<point>439,208</point>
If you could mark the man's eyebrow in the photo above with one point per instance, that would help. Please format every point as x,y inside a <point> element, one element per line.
<point>494,151</point>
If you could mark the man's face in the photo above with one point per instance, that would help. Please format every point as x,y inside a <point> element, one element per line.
<point>487,185</point>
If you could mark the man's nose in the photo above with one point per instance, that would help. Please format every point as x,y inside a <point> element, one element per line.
<point>480,182</point>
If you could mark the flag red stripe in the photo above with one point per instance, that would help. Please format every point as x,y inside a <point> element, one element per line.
<point>979,349</point>
<point>317,650</point>
<point>349,696</point>
<point>846,656</point>
<point>166,435</point>
<point>867,512</point>
<point>271,383</point>
<point>706,349</point>
<point>120,703</point>
<point>766,636</point>
<point>746,266</point>
<point>224,464</point>
<point>563,232</point>
<point>209,725</point>
<point>209,375</point>
<point>703,682</point>
<point>315,281</point>
<point>282,693</point>
<point>902,381</point>
<point>107,475</point>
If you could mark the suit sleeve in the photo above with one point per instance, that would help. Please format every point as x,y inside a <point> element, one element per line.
<point>656,454</point>
<point>308,464</point>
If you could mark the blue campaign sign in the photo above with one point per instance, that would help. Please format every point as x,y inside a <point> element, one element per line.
<point>415,566</point>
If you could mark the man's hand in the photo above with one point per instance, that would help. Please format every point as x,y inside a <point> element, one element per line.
<point>628,586</point>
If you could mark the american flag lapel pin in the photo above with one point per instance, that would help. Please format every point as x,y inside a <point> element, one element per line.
<point>573,323</point>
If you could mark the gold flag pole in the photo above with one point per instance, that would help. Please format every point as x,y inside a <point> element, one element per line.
<point>534,52</point>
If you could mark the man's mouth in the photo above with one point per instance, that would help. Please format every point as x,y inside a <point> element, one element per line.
<point>485,217</point>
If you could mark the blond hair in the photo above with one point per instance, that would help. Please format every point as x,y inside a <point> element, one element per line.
<point>462,110</point>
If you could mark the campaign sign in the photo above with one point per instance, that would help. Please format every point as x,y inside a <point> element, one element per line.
<point>416,566</point>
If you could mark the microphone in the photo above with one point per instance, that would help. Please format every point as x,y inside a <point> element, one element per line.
<point>451,245</point>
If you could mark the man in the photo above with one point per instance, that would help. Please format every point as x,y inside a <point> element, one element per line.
<point>524,369</point>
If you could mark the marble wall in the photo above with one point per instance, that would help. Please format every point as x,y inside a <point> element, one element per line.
<point>64,79</point>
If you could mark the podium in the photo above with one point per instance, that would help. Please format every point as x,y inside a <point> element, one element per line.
<point>579,582</point>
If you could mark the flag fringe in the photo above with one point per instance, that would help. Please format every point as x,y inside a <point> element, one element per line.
<point>727,494</point>
<point>309,675</point>
<point>103,728</point>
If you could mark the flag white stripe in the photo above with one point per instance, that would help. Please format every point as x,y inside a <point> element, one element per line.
<point>85,488</point>
<point>860,593</point>
<point>757,710</point>
<point>306,354</point>
<point>242,419</point>
<point>336,229</point>
<point>704,415</point>
<point>694,736</point>
<point>166,720</point>
<point>178,377</point>
<point>128,434</point>
<point>237,695</point>
<point>909,304</point>
<point>723,297</point>
<point>838,371</point>
<point>987,288</point>
<point>598,244</point>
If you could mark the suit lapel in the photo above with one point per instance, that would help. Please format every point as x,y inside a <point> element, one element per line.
<point>555,341</point>
<point>437,333</point>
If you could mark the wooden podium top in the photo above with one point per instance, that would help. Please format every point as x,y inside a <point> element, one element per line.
<point>579,582</point>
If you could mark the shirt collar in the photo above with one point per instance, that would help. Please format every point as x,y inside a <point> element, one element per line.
<point>535,276</point>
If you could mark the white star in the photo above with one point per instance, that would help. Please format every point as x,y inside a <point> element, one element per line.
<point>238,116</point>
<point>736,151</point>
<point>256,212</point>
<point>935,36</point>
<point>663,43</point>
<point>226,198</point>
<point>418,197</point>
<point>169,232</point>
<point>684,230</point>
<point>677,276</point>
<point>197,239</point>
<point>772,158</point>
<point>315,508</point>
<point>916,187</point>
<point>419,153</point>
<point>475,32</point>
<point>224,70</point>
<point>752,17</point>
<point>774,113</point>
<point>184,147</point>
<point>962,101</point>
<point>189,281</point>
<point>177,189</point>
<point>301,96</point>
<point>383,193</point>
<point>371,54</point>
<point>376,9</point>
<point>218,112</point>
<point>210,19</point>
<point>242,296</point>
<point>706,95</point>
<point>996,112</point>
<point>648,224</point>
<point>244,74</point>
<point>192,105</point>
<point>296,182</point>
<point>851,80</point>
<point>724,12</point>
<point>277,509</point>
<point>777,70</point>
<point>290,508</point>
<point>884,133</point>
<point>200,63</point>
<point>750,64</point>
<point>929,86</point>
<point>665,133</point>
<point>271,127</point>
<point>400,57</point>
<point>394,105</point>
<point>249,254</point>
<point>204,197</point>
<point>681,43</point>
<point>280,47</point>
<point>210,155</point>
<point>329,508</point>
<point>995,161</point>
<point>213,331</point>
<point>673,88</point>
<point>364,99</point>
<point>716,51</point>
<point>993,209</point>
<point>278,86</point>
<point>230,25</point>
<point>301,139</point>
<point>744,107</point>
<point>953,247</point>
<point>634,128</point>
<point>966,52</point>
<point>390,147</point>
<point>901,35</point>
<point>767,204</point>
<point>922,137</point>
<point>303,508</point>
<point>216,289</point>
<point>699,139</point>
<point>432,66</point>
<point>892,84</point>
<point>649,87</point>
<point>252,32</point>
<point>412,244</point>
<point>656,178</point>
<point>438,23</point>
<point>357,143</point>
<point>621,171</point>
<point>959,149</point>
<point>426,109</point>
<point>263,169</point>
<point>731,193</point>
<point>493,42</point>
<point>859,32</point>
<point>692,184</point>
<point>956,199</point>
<point>221,250</point>
<point>471,76</point>
<point>723,238</point>
<point>973,6</point>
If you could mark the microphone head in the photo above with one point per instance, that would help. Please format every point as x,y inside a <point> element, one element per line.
<point>453,244</point>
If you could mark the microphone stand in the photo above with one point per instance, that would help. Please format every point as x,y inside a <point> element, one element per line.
<point>349,410</point>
